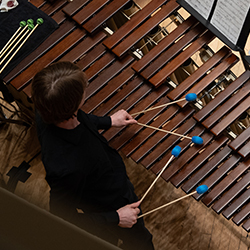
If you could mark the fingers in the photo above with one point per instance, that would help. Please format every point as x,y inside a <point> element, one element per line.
<point>134,217</point>
<point>129,118</point>
<point>122,118</point>
<point>128,215</point>
<point>135,204</point>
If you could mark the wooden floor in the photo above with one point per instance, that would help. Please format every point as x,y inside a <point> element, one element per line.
<point>185,225</point>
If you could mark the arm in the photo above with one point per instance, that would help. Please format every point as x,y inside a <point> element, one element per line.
<point>64,203</point>
<point>118,119</point>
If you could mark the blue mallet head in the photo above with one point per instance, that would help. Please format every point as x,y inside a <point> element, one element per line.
<point>202,189</point>
<point>176,151</point>
<point>197,140</point>
<point>191,97</point>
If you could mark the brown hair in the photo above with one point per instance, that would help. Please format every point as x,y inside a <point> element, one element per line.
<point>57,91</point>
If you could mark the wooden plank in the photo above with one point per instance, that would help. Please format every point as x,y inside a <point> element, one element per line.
<point>206,81</point>
<point>143,136</point>
<point>243,214</point>
<point>107,75</point>
<point>222,96</point>
<point>133,130</point>
<point>107,12</point>
<point>232,193</point>
<point>89,10</point>
<point>200,72</point>
<point>135,97</point>
<point>237,204</point>
<point>224,184</point>
<point>38,3</point>
<point>144,148</point>
<point>115,84</point>
<point>59,17</point>
<point>207,169</point>
<point>133,89</point>
<point>187,153</point>
<point>232,116</point>
<point>50,8</point>
<point>72,7</point>
<point>59,49</point>
<point>240,139</point>
<point>145,28</point>
<point>27,92</point>
<point>166,71</point>
<point>99,65</point>
<point>119,141</point>
<point>134,22</point>
<point>218,174</point>
<point>196,163</point>
<point>246,225</point>
<point>130,106</point>
<point>176,48</point>
<point>229,105</point>
<point>245,150</point>
<point>164,44</point>
<point>162,149</point>
<point>184,144</point>
<point>159,137</point>
<point>83,47</point>
<point>91,57</point>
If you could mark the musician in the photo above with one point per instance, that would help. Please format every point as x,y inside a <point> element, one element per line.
<point>88,180</point>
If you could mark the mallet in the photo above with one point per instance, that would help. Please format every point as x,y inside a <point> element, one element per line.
<point>200,190</point>
<point>39,22</point>
<point>30,27</point>
<point>23,25</point>
<point>195,139</point>
<point>189,97</point>
<point>175,153</point>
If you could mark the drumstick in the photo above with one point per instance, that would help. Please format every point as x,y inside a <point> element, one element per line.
<point>175,152</point>
<point>195,139</point>
<point>23,25</point>
<point>200,190</point>
<point>39,21</point>
<point>189,97</point>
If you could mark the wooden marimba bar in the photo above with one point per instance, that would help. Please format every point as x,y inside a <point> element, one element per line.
<point>122,76</point>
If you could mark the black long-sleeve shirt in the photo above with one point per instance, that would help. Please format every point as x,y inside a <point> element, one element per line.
<point>84,172</point>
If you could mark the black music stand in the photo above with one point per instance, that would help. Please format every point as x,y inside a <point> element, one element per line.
<point>208,16</point>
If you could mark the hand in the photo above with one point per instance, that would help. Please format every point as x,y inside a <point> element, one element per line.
<point>128,215</point>
<point>122,118</point>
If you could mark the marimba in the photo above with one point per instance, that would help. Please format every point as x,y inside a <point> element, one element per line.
<point>129,68</point>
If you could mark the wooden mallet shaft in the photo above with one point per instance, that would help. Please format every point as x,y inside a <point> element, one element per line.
<point>162,130</point>
<point>172,156</point>
<point>2,51</point>
<point>189,97</point>
<point>157,107</point>
<point>200,190</point>
<point>167,204</point>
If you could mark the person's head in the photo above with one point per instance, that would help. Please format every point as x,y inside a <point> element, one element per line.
<point>58,90</point>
